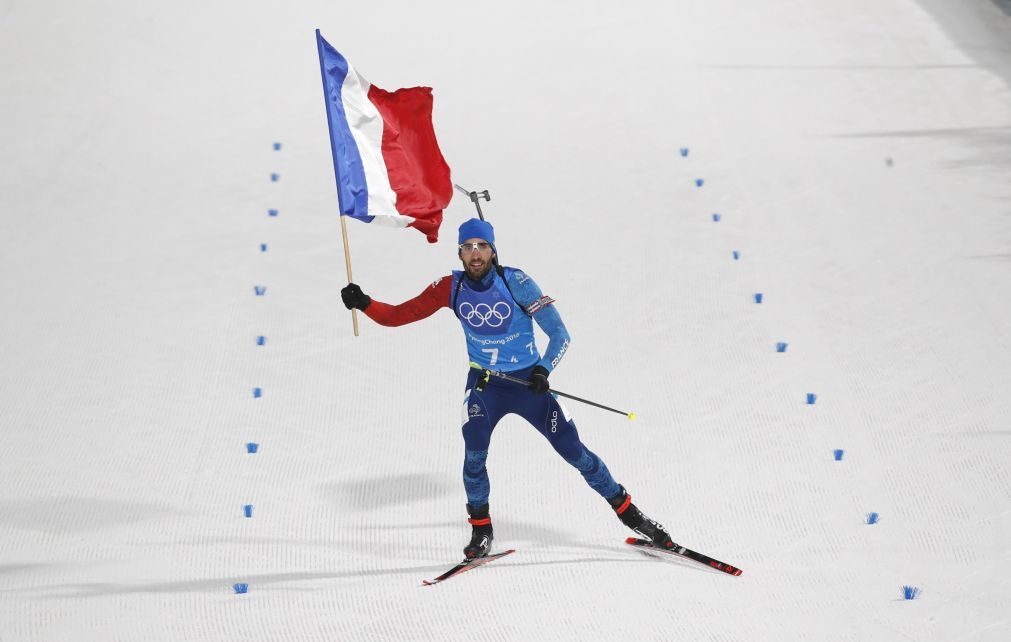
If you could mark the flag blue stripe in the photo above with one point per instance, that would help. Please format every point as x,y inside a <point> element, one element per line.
<point>352,189</point>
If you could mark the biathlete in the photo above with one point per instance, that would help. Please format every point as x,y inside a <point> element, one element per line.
<point>496,307</point>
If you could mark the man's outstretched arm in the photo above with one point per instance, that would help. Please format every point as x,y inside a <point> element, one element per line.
<point>420,307</point>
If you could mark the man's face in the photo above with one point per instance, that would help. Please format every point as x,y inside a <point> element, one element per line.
<point>476,255</point>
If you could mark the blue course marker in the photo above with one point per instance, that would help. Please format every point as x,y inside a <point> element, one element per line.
<point>716,218</point>
<point>837,453</point>
<point>272,213</point>
<point>910,592</point>
<point>274,177</point>
<point>263,247</point>
<point>260,290</point>
<point>684,152</point>
<point>699,182</point>
<point>780,347</point>
<point>277,147</point>
<point>240,588</point>
<point>811,398</point>
<point>251,448</point>
<point>737,255</point>
<point>257,393</point>
<point>758,297</point>
<point>247,510</point>
<point>872,518</point>
<point>261,340</point>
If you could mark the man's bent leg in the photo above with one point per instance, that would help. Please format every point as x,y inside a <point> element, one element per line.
<point>551,418</point>
<point>596,474</point>
<point>559,428</point>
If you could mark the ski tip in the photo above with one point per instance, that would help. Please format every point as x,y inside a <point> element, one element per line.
<point>737,572</point>
<point>631,540</point>
<point>631,416</point>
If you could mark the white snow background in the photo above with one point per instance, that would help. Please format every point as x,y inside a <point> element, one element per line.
<point>858,152</point>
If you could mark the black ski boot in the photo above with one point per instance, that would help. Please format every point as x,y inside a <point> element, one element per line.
<point>481,532</point>
<point>632,517</point>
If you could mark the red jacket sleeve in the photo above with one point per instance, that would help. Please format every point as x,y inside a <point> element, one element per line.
<point>420,307</point>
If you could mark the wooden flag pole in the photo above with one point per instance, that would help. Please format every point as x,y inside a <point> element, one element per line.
<point>336,170</point>
<point>347,262</point>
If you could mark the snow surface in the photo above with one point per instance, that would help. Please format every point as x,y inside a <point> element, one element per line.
<point>858,152</point>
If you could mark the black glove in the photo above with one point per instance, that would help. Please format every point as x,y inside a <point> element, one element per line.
<point>539,379</point>
<point>354,298</point>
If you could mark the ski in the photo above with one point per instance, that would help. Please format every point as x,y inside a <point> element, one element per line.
<point>467,565</point>
<point>685,552</point>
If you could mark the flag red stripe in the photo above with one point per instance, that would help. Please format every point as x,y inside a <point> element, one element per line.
<point>418,172</point>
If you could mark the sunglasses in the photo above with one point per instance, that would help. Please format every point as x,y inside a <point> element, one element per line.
<point>467,248</point>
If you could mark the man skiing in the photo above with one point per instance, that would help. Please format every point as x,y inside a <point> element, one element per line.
<point>497,306</point>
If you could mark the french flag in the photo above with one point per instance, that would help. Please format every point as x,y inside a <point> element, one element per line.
<point>388,165</point>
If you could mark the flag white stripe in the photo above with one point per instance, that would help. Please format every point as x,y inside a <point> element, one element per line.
<point>367,129</point>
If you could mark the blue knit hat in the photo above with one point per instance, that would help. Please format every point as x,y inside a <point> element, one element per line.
<point>475,228</point>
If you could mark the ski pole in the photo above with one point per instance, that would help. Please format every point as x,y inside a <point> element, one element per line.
<point>524,382</point>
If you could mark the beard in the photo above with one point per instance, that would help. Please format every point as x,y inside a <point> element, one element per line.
<point>476,273</point>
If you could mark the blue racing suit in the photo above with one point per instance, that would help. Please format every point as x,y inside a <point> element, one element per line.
<point>496,314</point>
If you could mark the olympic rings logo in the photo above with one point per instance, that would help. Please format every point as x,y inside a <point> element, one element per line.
<point>483,314</point>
